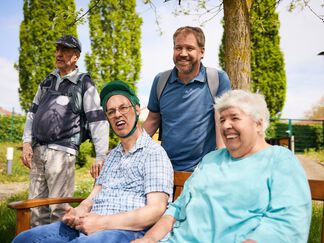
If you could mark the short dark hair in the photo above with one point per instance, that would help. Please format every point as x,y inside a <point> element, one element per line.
<point>196,31</point>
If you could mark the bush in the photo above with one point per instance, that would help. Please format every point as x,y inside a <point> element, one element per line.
<point>11,128</point>
<point>86,148</point>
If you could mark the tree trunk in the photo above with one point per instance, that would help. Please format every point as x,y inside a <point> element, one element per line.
<point>237,42</point>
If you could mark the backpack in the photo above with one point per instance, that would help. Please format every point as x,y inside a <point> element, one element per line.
<point>212,80</point>
<point>76,93</point>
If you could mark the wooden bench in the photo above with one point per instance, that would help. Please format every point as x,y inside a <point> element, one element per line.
<point>23,207</point>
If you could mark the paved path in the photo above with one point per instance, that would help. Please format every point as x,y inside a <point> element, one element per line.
<point>313,170</point>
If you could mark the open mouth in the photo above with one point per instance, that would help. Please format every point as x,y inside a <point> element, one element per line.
<point>231,135</point>
<point>120,124</point>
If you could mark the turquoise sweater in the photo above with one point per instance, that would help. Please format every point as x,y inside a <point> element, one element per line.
<point>264,197</point>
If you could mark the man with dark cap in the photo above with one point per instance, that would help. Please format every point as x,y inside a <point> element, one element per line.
<point>132,190</point>
<point>65,101</point>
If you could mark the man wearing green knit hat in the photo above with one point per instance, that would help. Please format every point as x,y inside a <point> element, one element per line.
<point>133,188</point>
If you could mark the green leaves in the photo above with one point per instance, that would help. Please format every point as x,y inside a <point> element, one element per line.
<point>115,34</point>
<point>267,61</point>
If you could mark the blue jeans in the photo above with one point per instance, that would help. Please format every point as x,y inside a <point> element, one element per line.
<point>60,232</point>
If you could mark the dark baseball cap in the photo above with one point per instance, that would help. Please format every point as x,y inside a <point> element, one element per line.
<point>69,41</point>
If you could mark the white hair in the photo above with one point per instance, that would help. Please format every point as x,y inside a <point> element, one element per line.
<point>251,104</point>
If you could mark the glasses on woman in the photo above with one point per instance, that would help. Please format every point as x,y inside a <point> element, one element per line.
<point>123,109</point>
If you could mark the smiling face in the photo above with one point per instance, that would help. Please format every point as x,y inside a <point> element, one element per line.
<point>66,59</point>
<point>121,124</point>
<point>241,134</point>
<point>187,54</point>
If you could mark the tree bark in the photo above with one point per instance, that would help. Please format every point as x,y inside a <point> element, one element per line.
<point>237,42</point>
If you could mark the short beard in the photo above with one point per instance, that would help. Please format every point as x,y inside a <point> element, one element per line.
<point>189,69</point>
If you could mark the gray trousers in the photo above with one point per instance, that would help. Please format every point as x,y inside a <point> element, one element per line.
<point>51,175</point>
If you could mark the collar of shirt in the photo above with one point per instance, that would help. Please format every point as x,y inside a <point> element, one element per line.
<point>72,76</point>
<point>141,142</point>
<point>201,77</point>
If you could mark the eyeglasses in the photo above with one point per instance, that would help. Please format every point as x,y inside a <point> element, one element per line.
<point>122,110</point>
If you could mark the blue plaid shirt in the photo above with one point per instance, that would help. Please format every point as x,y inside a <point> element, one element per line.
<point>127,178</point>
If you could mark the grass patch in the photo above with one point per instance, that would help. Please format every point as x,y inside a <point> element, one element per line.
<point>8,218</point>
<point>316,155</point>
<point>316,229</point>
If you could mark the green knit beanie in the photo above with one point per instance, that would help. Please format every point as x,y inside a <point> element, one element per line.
<point>117,87</point>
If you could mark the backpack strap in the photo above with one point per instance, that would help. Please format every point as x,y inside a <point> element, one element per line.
<point>163,79</point>
<point>84,125</point>
<point>212,80</point>
<point>80,80</point>
<point>47,83</point>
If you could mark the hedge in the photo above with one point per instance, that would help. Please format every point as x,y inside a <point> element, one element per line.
<point>11,128</point>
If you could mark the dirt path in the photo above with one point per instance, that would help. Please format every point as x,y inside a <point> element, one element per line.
<point>7,190</point>
<point>313,170</point>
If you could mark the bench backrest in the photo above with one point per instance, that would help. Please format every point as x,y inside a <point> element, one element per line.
<point>180,178</point>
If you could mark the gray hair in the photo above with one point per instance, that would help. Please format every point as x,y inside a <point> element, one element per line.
<point>251,104</point>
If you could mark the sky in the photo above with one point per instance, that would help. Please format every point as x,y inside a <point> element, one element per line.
<point>302,38</point>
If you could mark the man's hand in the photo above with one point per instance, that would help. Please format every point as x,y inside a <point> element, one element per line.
<point>90,223</point>
<point>96,168</point>
<point>70,217</point>
<point>27,154</point>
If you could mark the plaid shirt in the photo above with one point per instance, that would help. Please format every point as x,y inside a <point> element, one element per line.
<point>127,178</point>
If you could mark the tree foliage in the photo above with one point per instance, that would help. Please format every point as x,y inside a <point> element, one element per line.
<point>317,111</point>
<point>115,34</point>
<point>44,22</point>
<point>267,61</point>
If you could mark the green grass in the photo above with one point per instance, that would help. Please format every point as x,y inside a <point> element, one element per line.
<point>315,230</point>
<point>8,218</point>
<point>316,155</point>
